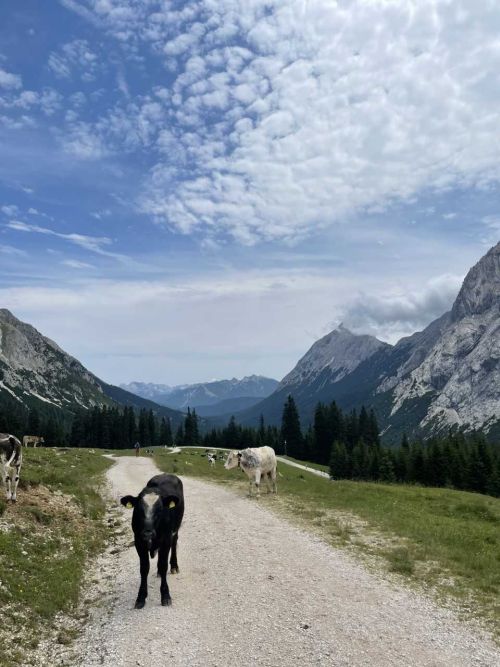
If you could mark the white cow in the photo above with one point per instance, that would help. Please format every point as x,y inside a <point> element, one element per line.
<point>34,440</point>
<point>255,462</point>
<point>11,456</point>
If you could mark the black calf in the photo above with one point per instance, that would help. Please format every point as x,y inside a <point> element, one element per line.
<point>157,517</point>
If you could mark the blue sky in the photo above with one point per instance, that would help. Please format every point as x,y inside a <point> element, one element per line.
<point>200,190</point>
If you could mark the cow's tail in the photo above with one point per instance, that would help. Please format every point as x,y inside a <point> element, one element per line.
<point>16,451</point>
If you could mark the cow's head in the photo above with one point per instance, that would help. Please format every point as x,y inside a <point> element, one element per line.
<point>149,507</point>
<point>233,460</point>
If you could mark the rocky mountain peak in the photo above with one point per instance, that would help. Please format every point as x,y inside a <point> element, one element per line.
<point>340,351</point>
<point>481,288</point>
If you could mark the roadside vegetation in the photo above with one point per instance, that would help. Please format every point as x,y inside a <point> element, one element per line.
<point>45,541</point>
<point>445,541</point>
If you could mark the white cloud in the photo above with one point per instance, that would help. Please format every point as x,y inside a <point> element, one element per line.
<point>401,312</point>
<point>10,210</point>
<point>11,250</point>
<point>323,117</point>
<point>9,80</point>
<point>167,316</point>
<point>76,264</point>
<point>95,244</point>
<point>74,57</point>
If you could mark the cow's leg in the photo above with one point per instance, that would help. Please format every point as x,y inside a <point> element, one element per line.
<point>166,600</point>
<point>16,482</point>
<point>144,569</point>
<point>4,479</point>
<point>269,483</point>
<point>7,482</point>
<point>257,482</point>
<point>174,567</point>
<point>273,477</point>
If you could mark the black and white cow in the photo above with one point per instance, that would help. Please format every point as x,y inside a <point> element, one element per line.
<point>158,512</point>
<point>11,459</point>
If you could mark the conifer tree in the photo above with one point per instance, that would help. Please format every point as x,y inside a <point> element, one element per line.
<point>291,433</point>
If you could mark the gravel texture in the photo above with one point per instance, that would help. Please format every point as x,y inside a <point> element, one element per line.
<point>254,590</point>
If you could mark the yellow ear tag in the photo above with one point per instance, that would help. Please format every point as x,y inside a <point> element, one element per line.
<point>171,504</point>
<point>129,505</point>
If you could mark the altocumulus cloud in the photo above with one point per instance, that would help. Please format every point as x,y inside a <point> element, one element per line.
<point>289,117</point>
<point>398,314</point>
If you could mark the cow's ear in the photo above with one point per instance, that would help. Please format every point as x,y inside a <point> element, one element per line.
<point>170,502</point>
<point>129,501</point>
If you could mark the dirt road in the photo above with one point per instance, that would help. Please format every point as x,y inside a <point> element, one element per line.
<point>253,590</point>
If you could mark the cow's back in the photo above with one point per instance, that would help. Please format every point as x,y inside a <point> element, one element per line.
<point>264,456</point>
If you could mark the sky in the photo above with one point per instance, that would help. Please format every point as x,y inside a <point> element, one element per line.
<point>200,190</point>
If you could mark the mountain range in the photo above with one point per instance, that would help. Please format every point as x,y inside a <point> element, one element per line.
<point>447,375</point>
<point>217,397</point>
<point>36,373</point>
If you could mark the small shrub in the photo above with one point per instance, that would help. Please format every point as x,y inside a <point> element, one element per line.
<point>41,517</point>
<point>401,561</point>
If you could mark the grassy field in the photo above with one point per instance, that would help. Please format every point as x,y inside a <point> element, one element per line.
<point>446,541</point>
<point>45,540</point>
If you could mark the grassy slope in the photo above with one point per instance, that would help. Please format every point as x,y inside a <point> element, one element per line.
<point>45,540</point>
<point>449,540</point>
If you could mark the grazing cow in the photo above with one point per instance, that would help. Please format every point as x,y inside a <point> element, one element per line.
<point>11,456</point>
<point>34,440</point>
<point>211,459</point>
<point>158,512</point>
<point>255,462</point>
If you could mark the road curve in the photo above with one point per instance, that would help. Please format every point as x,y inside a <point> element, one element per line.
<point>254,590</point>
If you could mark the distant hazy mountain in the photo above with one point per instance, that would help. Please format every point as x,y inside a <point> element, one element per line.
<point>205,393</point>
<point>35,371</point>
<point>227,407</point>
<point>447,375</point>
<point>147,389</point>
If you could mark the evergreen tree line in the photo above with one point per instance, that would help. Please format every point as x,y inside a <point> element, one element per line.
<point>20,421</point>
<point>348,442</point>
<point>115,428</point>
<point>457,461</point>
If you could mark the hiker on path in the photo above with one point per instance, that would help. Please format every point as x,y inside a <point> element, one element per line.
<point>137,448</point>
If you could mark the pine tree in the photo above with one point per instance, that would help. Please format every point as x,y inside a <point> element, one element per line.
<point>179,436</point>
<point>387,467</point>
<point>291,433</point>
<point>166,433</point>
<point>322,442</point>
<point>339,462</point>
<point>33,422</point>
<point>231,435</point>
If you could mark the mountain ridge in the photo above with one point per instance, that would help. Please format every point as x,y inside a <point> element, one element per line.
<point>445,376</point>
<point>36,372</point>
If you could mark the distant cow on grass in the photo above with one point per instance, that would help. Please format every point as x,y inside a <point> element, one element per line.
<point>32,440</point>
<point>11,459</point>
<point>158,512</point>
<point>255,462</point>
<point>212,458</point>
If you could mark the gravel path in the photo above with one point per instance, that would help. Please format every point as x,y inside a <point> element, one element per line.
<point>253,590</point>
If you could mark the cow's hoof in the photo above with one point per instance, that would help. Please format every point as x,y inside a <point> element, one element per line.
<point>174,570</point>
<point>166,602</point>
<point>140,604</point>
